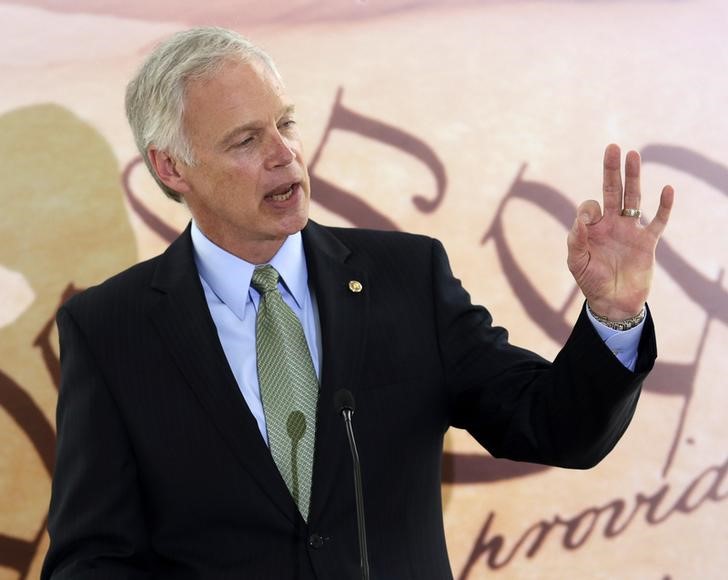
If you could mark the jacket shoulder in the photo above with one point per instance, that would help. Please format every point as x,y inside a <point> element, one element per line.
<point>126,289</point>
<point>401,254</point>
<point>381,243</point>
<point>365,236</point>
<point>118,289</point>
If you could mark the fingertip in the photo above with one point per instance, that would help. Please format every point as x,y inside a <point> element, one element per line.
<point>589,212</point>
<point>658,223</point>
<point>633,158</point>
<point>612,147</point>
<point>612,156</point>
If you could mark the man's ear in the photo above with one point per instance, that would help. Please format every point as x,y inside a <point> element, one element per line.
<point>166,169</point>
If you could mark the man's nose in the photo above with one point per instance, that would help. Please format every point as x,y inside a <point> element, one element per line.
<point>279,153</point>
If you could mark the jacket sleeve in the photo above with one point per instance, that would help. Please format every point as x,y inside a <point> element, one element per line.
<point>96,521</point>
<point>569,413</point>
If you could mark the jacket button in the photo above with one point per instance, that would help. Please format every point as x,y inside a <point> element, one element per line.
<point>315,541</point>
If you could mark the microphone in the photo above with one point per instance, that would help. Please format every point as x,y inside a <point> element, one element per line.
<point>296,427</point>
<point>344,405</point>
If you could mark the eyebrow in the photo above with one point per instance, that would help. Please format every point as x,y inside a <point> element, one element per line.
<point>253,125</point>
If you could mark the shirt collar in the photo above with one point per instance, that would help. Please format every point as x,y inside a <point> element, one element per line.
<point>229,276</point>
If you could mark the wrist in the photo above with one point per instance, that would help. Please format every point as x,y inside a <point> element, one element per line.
<point>619,322</point>
<point>614,310</point>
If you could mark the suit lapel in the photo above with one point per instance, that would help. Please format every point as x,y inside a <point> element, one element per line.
<point>183,320</point>
<point>342,315</point>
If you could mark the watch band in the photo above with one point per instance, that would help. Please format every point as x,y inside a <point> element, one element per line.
<point>620,324</point>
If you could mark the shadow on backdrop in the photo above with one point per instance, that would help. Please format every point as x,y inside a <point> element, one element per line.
<point>64,227</point>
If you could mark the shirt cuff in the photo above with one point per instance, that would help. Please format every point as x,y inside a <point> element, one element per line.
<point>624,344</point>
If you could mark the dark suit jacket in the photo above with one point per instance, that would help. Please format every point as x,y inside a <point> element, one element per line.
<point>162,472</point>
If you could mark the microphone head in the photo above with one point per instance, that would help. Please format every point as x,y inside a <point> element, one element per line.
<point>296,426</point>
<point>344,401</point>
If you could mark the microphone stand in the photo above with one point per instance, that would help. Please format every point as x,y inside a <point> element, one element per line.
<point>346,408</point>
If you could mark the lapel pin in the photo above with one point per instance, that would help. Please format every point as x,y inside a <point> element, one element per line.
<point>355,286</point>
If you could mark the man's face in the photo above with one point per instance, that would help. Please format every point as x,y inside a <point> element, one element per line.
<point>249,188</point>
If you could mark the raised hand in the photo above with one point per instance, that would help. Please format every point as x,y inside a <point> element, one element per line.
<point>612,255</point>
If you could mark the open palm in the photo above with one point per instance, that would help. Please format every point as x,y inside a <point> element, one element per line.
<point>610,255</point>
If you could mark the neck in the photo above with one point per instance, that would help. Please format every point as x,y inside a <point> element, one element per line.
<point>252,251</point>
<point>260,253</point>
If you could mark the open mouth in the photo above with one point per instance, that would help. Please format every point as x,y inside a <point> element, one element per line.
<point>282,193</point>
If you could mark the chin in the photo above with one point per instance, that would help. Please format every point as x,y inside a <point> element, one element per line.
<point>293,225</point>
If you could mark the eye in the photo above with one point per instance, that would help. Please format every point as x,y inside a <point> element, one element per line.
<point>286,124</point>
<point>245,142</point>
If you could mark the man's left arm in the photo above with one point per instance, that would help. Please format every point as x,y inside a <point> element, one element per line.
<point>566,413</point>
<point>570,412</point>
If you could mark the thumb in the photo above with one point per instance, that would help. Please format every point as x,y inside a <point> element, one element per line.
<point>577,240</point>
<point>587,213</point>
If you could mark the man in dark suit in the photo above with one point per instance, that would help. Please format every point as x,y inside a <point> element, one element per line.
<point>168,465</point>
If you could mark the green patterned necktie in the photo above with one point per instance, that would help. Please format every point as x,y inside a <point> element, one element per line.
<point>288,386</point>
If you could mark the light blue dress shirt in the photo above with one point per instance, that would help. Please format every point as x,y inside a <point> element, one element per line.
<point>233,304</point>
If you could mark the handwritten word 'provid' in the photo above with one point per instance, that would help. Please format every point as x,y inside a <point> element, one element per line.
<point>609,520</point>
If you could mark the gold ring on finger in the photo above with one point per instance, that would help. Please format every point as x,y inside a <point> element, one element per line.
<point>631,212</point>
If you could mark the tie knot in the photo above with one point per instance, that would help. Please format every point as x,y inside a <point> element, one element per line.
<point>265,279</point>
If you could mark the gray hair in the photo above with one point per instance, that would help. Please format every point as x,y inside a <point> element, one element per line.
<point>155,97</point>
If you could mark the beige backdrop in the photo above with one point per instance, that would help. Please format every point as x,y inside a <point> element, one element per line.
<point>481,123</point>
